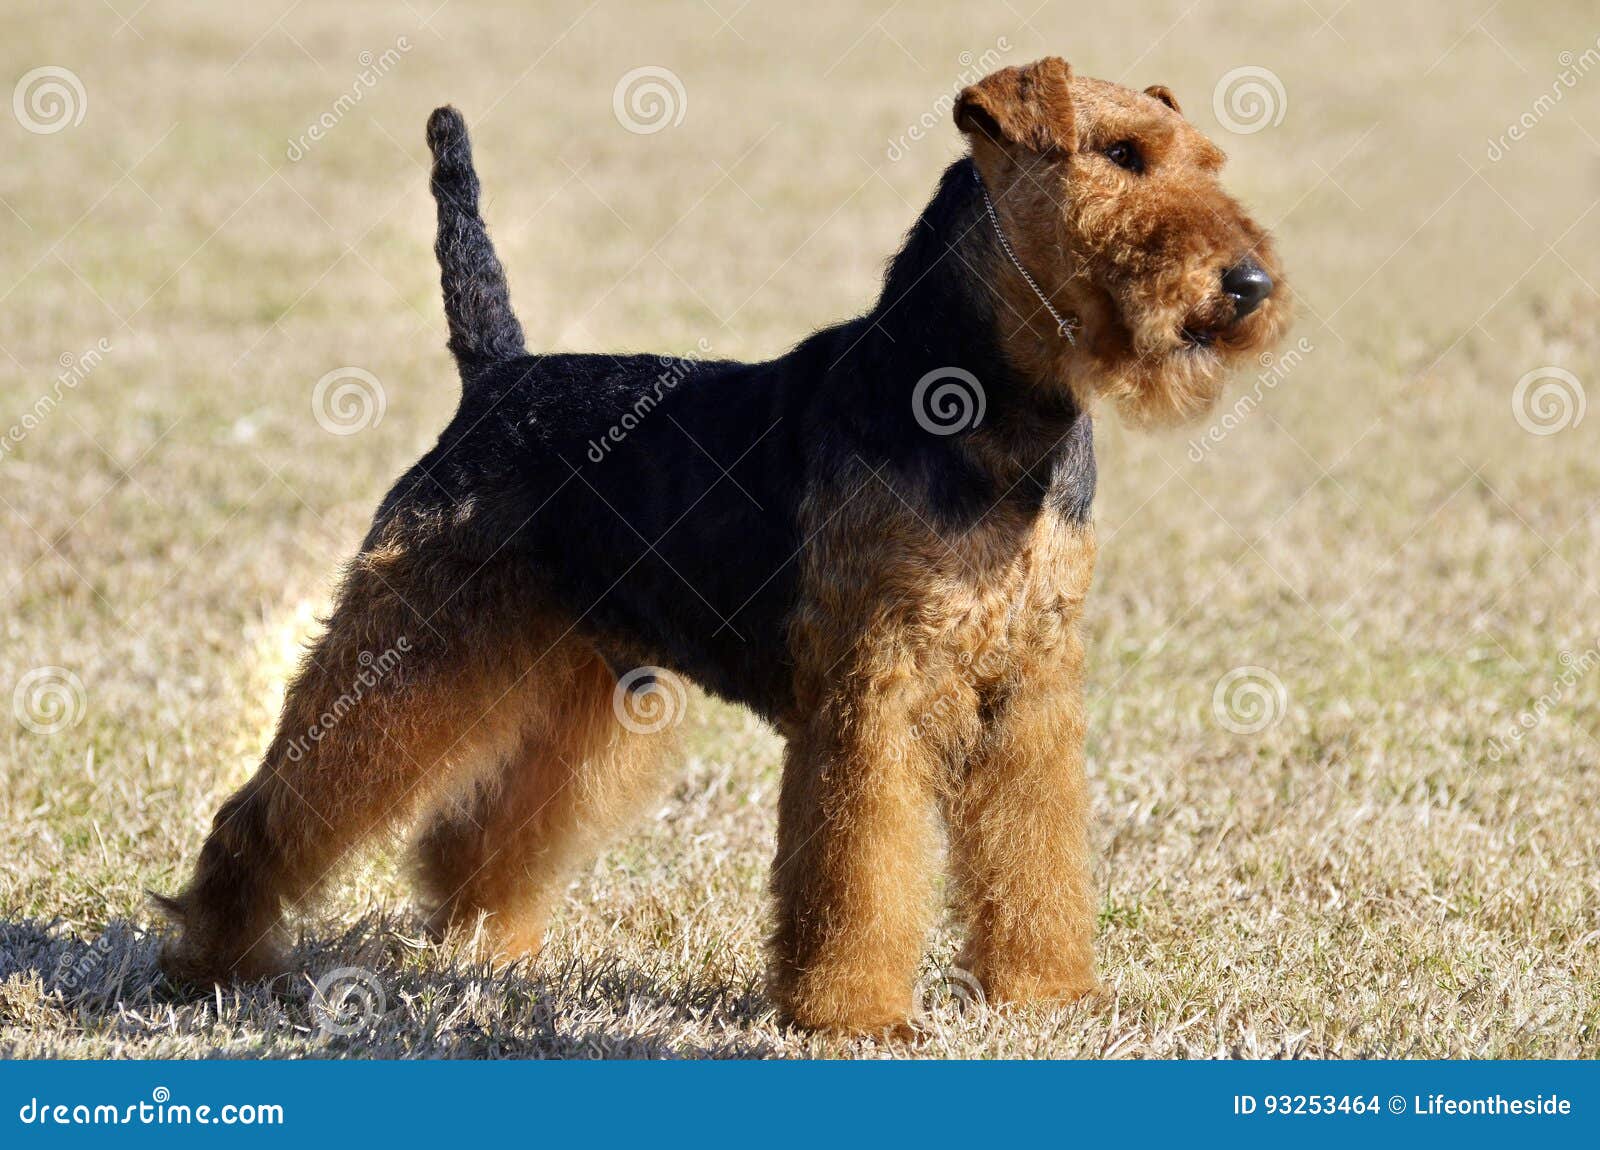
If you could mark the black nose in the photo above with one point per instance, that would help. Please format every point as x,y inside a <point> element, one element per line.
<point>1248,283</point>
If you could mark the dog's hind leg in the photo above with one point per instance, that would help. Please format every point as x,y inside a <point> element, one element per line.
<point>401,698</point>
<point>507,851</point>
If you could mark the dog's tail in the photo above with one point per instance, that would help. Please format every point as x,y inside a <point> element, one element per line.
<point>483,329</point>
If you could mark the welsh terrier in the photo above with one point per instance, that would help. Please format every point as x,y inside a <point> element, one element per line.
<point>879,542</point>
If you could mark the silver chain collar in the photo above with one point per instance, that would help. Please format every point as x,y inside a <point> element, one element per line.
<point>1065,325</point>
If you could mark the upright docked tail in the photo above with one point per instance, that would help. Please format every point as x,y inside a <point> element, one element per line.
<point>483,330</point>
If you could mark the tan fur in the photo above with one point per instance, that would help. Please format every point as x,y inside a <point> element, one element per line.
<point>497,720</point>
<point>1134,257</point>
<point>938,672</point>
<point>506,852</point>
<point>946,673</point>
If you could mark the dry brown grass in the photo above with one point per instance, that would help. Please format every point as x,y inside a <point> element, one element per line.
<point>1363,876</point>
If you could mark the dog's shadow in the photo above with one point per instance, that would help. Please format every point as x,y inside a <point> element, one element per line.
<point>374,991</point>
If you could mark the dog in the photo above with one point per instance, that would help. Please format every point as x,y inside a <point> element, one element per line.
<point>879,542</point>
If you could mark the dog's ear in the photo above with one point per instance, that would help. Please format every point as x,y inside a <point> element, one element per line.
<point>1028,107</point>
<point>1164,94</point>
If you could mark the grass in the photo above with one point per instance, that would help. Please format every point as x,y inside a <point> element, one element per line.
<point>1381,869</point>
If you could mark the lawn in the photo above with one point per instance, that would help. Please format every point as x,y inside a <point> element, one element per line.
<point>1344,642</point>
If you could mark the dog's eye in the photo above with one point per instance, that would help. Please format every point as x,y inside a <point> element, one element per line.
<point>1125,155</point>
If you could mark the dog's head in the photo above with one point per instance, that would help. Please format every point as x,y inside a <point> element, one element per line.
<point>1113,202</point>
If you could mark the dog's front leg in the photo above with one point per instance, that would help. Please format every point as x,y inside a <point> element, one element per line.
<point>1019,838</point>
<point>856,847</point>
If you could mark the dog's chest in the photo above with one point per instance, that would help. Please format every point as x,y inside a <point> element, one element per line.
<point>1014,593</point>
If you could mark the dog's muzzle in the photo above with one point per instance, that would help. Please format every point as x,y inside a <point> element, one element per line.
<point>1248,285</point>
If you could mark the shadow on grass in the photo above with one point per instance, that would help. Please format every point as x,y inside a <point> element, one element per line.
<point>375,991</point>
